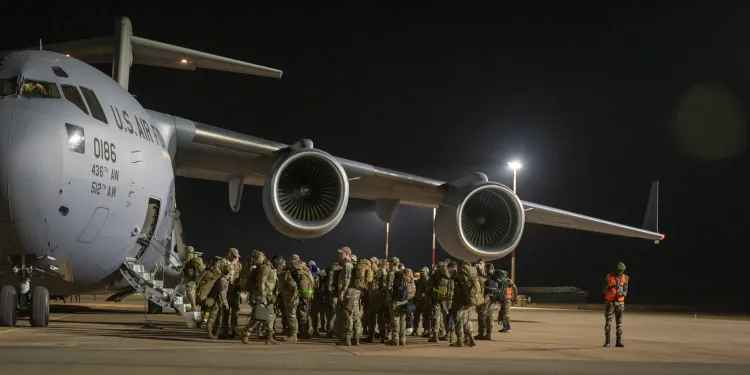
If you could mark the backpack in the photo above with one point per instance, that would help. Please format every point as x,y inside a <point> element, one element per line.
<point>400,289</point>
<point>440,291</point>
<point>305,282</point>
<point>474,293</point>
<point>493,291</point>
<point>362,275</point>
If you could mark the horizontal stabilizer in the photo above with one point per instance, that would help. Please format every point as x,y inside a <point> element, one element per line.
<point>125,49</point>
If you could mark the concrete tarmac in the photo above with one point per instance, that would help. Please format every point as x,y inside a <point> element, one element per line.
<point>105,338</point>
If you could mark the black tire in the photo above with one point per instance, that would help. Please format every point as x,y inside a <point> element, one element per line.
<point>8,304</point>
<point>39,307</point>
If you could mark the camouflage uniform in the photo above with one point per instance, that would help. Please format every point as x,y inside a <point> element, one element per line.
<point>262,289</point>
<point>333,300</point>
<point>306,291</point>
<point>440,298</point>
<point>463,303</point>
<point>218,304</point>
<point>506,283</point>
<point>289,299</point>
<point>233,261</point>
<point>397,299</point>
<point>483,309</point>
<point>205,286</point>
<point>191,274</point>
<point>491,298</point>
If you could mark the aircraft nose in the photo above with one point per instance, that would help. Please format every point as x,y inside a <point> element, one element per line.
<point>32,160</point>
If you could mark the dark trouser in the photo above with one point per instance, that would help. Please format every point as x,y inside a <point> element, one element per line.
<point>616,310</point>
<point>424,315</point>
<point>505,314</point>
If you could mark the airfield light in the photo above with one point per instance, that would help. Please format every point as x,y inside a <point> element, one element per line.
<point>184,61</point>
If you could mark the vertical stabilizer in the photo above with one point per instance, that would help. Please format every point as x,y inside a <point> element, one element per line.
<point>651,218</point>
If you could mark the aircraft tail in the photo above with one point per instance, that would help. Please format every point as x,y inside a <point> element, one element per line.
<point>126,49</point>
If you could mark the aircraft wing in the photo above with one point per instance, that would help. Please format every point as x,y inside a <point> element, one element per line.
<point>212,153</point>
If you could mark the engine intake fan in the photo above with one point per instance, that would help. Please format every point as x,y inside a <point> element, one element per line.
<point>307,193</point>
<point>480,221</point>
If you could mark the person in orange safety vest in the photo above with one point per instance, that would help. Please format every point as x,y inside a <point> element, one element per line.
<point>615,290</point>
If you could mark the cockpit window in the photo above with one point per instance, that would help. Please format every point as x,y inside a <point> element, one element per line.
<point>59,72</point>
<point>94,105</point>
<point>8,86</point>
<point>39,89</point>
<point>71,93</point>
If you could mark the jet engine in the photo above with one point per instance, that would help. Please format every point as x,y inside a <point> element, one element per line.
<point>306,194</point>
<point>480,220</point>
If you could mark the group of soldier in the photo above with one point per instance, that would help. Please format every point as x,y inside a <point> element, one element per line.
<point>353,300</point>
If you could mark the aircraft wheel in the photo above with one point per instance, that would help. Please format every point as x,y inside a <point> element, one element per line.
<point>8,304</point>
<point>39,307</point>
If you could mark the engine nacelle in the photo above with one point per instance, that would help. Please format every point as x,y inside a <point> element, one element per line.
<point>483,220</point>
<point>307,192</point>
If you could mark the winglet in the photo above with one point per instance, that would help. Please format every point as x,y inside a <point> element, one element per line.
<point>651,217</point>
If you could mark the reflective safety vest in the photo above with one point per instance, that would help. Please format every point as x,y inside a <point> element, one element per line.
<point>614,285</point>
<point>508,294</point>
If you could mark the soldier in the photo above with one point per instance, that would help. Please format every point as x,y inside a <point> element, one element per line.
<point>482,308</point>
<point>289,299</point>
<point>468,293</point>
<point>233,260</point>
<point>440,300</point>
<point>509,293</point>
<point>423,303</point>
<point>615,290</point>
<point>218,303</point>
<point>492,296</point>
<point>191,273</point>
<point>411,292</point>
<point>333,299</point>
<point>346,306</point>
<point>361,277</point>
<point>398,299</point>
<point>205,286</point>
<point>306,290</point>
<point>320,303</point>
<point>262,289</point>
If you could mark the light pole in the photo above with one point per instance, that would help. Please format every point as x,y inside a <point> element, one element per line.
<point>434,255</point>
<point>515,166</point>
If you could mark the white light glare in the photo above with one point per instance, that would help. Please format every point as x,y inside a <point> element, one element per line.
<point>515,165</point>
<point>75,140</point>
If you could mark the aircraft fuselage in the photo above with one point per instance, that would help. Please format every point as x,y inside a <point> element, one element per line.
<point>83,184</point>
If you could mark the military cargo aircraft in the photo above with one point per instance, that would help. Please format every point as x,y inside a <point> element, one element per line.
<point>87,179</point>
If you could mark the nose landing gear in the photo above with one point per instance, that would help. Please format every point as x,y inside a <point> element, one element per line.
<point>24,299</point>
<point>8,306</point>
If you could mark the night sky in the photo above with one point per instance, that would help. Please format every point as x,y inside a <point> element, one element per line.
<point>596,102</point>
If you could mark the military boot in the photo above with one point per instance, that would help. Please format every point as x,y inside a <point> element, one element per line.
<point>619,343</point>
<point>402,341</point>
<point>213,331</point>
<point>347,341</point>
<point>270,340</point>
<point>452,338</point>
<point>606,340</point>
